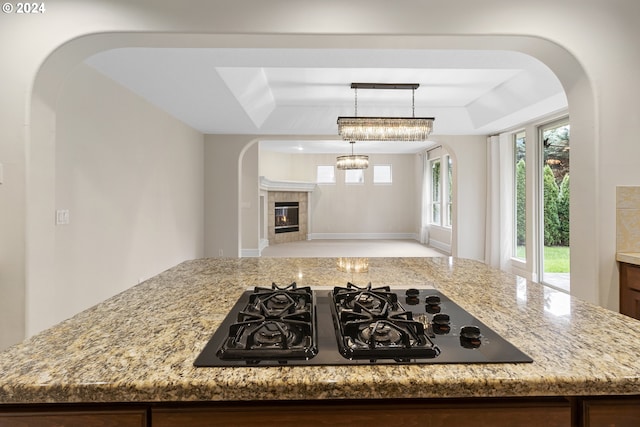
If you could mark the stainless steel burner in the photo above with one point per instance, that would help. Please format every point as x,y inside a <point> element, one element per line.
<point>381,332</point>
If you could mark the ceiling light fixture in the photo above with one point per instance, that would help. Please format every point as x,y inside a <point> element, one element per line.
<point>352,161</point>
<point>385,128</point>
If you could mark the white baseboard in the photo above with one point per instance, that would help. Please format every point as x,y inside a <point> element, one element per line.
<point>523,273</point>
<point>263,244</point>
<point>249,253</point>
<point>362,236</point>
<point>443,247</point>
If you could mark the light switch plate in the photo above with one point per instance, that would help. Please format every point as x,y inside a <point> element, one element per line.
<point>62,217</point>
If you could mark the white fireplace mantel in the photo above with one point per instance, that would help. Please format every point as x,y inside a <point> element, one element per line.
<point>269,185</point>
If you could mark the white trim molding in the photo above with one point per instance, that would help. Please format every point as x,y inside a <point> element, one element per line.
<point>443,247</point>
<point>362,236</point>
<point>269,185</point>
<point>250,253</point>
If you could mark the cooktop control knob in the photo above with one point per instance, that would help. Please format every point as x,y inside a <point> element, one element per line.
<point>470,336</point>
<point>432,299</point>
<point>432,304</point>
<point>441,324</point>
<point>412,292</point>
<point>412,296</point>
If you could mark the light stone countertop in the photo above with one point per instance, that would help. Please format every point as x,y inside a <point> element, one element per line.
<point>629,257</point>
<point>139,346</point>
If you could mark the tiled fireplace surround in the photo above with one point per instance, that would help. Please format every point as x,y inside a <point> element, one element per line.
<point>288,196</point>
<point>628,219</point>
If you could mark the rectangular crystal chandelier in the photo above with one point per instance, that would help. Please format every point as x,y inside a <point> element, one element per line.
<point>385,128</point>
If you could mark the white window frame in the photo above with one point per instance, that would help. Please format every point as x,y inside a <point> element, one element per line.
<point>514,237</point>
<point>435,202</point>
<point>376,176</point>
<point>349,174</point>
<point>444,203</point>
<point>530,268</point>
<point>539,267</point>
<point>333,175</point>
<point>447,191</point>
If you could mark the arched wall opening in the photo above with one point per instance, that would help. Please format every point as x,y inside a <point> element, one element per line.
<point>468,244</point>
<point>226,238</point>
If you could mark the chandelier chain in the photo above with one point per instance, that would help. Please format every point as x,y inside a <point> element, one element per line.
<point>356,107</point>
<point>413,102</point>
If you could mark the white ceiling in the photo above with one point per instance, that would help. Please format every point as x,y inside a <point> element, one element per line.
<point>297,94</point>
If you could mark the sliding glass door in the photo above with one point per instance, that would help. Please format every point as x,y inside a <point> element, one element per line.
<point>554,195</point>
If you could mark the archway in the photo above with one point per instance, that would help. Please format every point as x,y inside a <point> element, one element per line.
<point>40,238</point>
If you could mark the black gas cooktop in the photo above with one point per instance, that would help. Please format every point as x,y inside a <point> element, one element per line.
<point>348,325</point>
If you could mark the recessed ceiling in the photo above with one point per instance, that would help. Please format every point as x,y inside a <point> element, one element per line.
<point>297,93</point>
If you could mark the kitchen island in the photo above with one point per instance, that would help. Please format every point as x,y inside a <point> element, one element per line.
<point>133,354</point>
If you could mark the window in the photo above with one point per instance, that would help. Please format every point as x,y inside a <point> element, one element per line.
<point>519,194</point>
<point>555,194</point>
<point>326,175</point>
<point>441,191</point>
<point>382,174</point>
<point>448,184</point>
<point>354,176</point>
<point>435,192</point>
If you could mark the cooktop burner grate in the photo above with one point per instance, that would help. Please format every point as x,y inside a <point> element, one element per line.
<point>372,324</point>
<point>276,323</point>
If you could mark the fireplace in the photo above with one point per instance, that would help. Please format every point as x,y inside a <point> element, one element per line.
<point>286,217</point>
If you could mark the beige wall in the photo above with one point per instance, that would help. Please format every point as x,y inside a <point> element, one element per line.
<point>223,180</point>
<point>250,202</point>
<point>353,210</point>
<point>132,179</point>
<point>469,193</point>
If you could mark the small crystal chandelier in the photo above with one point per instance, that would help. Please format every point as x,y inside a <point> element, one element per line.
<point>385,128</point>
<point>352,161</point>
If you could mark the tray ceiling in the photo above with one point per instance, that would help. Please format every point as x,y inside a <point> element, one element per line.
<point>299,93</point>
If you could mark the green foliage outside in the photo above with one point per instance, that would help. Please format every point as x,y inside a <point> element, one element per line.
<point>551,219</point>
<point>556,219</point>
<point>520,202</point>
<point>556,259</point>
<point>563,210</point>
<point>556,199</point>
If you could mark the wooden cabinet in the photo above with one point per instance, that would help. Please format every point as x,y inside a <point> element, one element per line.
<point>483,413</point>
<point>73,418</point>
<point>611,413</point>
<point>630,290</point>
<point>585,411</point>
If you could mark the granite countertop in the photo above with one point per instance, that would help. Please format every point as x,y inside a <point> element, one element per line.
<point>139,346</point>
<point>629,257</point>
